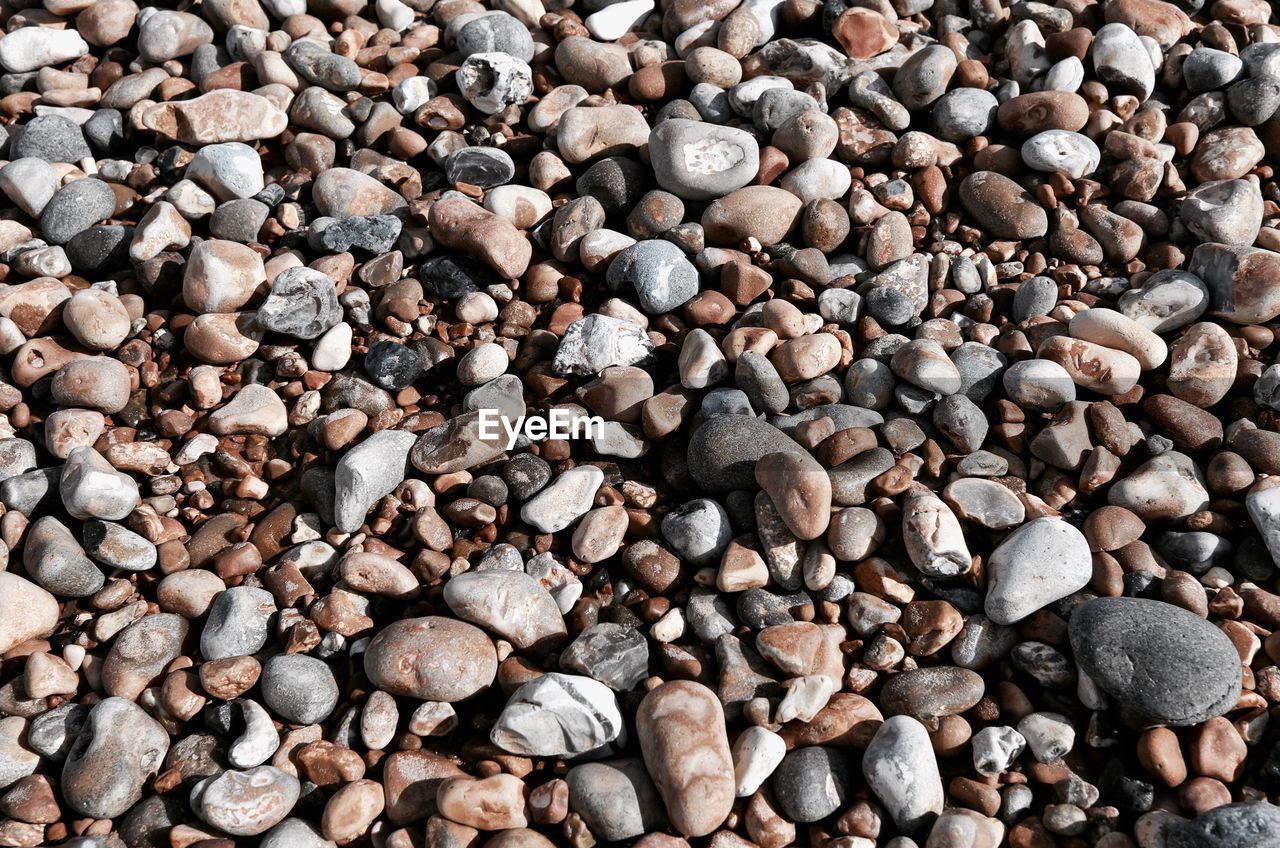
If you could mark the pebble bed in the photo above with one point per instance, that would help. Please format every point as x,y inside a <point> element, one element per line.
<point>924,352</point>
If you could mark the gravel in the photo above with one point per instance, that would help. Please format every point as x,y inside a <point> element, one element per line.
<point>525,423</point>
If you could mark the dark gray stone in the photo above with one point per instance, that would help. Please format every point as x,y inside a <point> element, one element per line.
<point>1161,662</point>
<point>724,451</point>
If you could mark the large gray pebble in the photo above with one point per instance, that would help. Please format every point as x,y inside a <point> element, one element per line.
<point>299,688</point>
<point>1159,661</point>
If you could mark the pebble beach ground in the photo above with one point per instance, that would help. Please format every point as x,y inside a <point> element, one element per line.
<point>924,352</point>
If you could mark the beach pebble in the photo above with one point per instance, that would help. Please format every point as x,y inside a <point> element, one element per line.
<point>1165,664</point>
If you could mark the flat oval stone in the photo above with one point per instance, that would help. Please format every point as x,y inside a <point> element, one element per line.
<point>221,115</point>
<point>930,693</point>
<point>1167,487</point>
<point>246,803</point>
<point>686,750</point>
<point>902,770</point>
<point>1059,150</point>
<point>701,161</point>
<point>1163,663</point>
<point>299,688</point>
<point>1002,207</point>
<point>431,658</point>
<point>616,799</point>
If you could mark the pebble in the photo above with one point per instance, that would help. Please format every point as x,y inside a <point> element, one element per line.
<point>663,279</point>
<point>567,499</point>
<point>298,688</point>
<point>29,611</point>
<point>1054,151</point>
<point>681,727</point>
<point>246,803</point>
<point>1122,62</point>
<point>1161,662</point>
<point>367,473</point>
<point>303,303</point>
<point>106,769</point>
<point>237,623</point>
<point>614,654</point>
<point>432,659</point>
<point>558,715</point>
<point>30,48</point>
<point>812,783</point>
<point>1019,583</point>
<point>701,161</point>
<point>900,768</point>
<point>616,799</point>
<point>1003,207</point>
<point>204,119</point>
<point>74,208</point>
<point>514,605</point>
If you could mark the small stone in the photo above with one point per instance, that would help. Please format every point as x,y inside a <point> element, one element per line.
<point>218,116</point>
<point>229,170</point>
<point>303,303</point>
<point>558,715</point>
<point>700,161</point>
<point>933,537</point>
<point>1122,62</point>
<point>662,277</point>
<point>1165,487</point>
<point>565,500</point>
<point>800,491</point>
<point>1055,151</point>
<point>1042,561</point>
<point>345,193</point>
<point>141,653</point>
<point>91,488</point>
<point>698,531</point>
<point>237,623</point>
<point>432,658</point>
<point>902,770</point>
<point>298,688</point>
<point>254,410</point>
<point>492,81</point>
<point>614,654</point>
<point>1229,211</point>
<point>29,48</point>
<point>1003,207</point>
<point>812,783</point>
<point>367,473</point>
<point>26,611</point>
<point>246,803</point>
<point>616,799</point>
<point>75,207</point>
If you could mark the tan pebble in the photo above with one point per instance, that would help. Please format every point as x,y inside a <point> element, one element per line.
<point>682,734</point>
<point>352,809</point>
<point>220,115</point>
<point>223,338</point>
<point>491,803</point>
